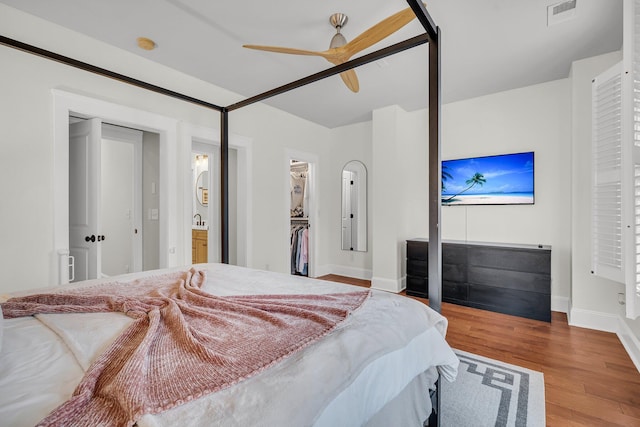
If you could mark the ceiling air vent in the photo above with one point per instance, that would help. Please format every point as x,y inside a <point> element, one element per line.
<point>561,12</point>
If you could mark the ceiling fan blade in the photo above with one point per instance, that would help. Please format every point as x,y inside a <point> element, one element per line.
<point>381,30</point>
<point>351,80</point>
<point>288,50</point>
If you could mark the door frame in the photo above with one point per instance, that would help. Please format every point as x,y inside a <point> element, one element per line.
<point>213,207</point>
<point>66,104</point>
<point>195,135</point>
<point>314,218</point>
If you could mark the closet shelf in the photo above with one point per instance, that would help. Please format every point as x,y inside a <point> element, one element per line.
<point>299,218</point>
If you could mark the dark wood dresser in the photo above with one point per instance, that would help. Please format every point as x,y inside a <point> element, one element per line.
<point>511,279</point>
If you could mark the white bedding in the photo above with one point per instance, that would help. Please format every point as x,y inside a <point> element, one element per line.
<point>345,378</point>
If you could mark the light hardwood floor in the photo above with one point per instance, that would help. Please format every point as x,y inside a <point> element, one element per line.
<point>589,378</point>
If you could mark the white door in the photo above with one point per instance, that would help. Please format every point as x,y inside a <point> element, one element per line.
<point>120,200</point>
<point>84,197</point>
<point>117,203</point>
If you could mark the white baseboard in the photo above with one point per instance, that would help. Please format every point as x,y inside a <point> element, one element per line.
<point>608,323</point>
<point>341,270</point>
<point>322,270</point>
<point>358,273</point>
<point>388,285</point>
<point>593,320</point>
<point>560,304</point>
<point>379,283</point>
<point>630,342</point>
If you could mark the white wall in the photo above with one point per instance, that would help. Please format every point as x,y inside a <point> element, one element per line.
<point>150,200</point>
<point>351,142</point>
<point>386,199</point>
<point>535,118</point>
<point>27,155</point>
<point>274,133</point>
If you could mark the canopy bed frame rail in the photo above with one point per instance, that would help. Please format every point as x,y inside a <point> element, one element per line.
<point>432,36</point>
<point>104,72</point>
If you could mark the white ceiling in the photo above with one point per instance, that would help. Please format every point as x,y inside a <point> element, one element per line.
<point>487,46</point>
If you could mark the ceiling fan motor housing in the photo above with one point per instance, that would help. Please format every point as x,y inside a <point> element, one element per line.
<point>338,20</point>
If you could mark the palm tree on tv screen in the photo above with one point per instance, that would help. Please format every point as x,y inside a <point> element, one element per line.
<point>477,178</point>
<point>445,176</point>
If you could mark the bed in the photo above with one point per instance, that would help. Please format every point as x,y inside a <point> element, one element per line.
<point>372,368</point>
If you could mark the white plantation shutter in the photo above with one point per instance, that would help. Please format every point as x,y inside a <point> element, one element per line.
<point>607,236</point>
<point>616,166</point>
<point>631,133</point>
<point>632,287</point>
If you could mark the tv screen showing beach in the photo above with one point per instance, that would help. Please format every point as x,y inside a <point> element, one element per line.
<point>505,179</point>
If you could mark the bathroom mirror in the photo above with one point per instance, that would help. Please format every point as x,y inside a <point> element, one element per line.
<point>354,207</point>
<point>202,190</point>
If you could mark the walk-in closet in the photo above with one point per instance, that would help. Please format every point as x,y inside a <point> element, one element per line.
<point>300,218</point>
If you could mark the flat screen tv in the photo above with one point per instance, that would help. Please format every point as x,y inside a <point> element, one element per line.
<point>505,179</point>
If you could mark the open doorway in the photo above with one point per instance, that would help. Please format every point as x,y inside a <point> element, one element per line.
<point>161,134</point>
<point>206,142</point>
<point>204,203</point>
<point>301,212</point>
<point>107,234</point>
<point>205,214</point>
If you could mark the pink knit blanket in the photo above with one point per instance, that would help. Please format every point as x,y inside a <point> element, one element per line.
<point>184,343</point>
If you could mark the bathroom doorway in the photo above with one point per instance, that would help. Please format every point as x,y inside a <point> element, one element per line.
<point>204,203</point>
<point>205,212</point>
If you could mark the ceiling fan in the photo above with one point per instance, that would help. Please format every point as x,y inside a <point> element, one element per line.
<point>341,51</point>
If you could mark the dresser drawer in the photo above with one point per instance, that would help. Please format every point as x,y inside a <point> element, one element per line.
<point>417,268</point>
<point>509,279</point>
<point>418,250</point>
<point>508,301</point>
<point>454,291</point>
<point>526,261</point>
<point>417,286</point>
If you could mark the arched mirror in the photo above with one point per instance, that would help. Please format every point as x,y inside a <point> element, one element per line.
<point>354,207</point>
<point>202,190</point>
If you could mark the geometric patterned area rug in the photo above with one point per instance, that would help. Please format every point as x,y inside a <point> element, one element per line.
<point>488,392</point>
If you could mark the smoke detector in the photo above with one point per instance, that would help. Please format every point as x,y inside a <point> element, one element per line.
<point>561,12</point>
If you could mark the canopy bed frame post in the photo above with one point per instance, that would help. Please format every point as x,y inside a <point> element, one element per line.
<point>435,173</point>
<point>224,185</point>
<point>435,181</point>
<point>435,200</point>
